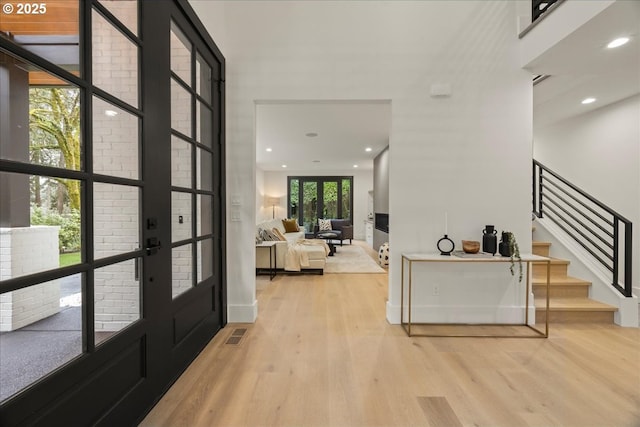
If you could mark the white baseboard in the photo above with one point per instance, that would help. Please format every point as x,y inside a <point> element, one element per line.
<point>393,314</point>
<point>242,313</point>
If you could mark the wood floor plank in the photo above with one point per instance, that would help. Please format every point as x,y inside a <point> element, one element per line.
<point>438,411</point>
<point>322,354</point>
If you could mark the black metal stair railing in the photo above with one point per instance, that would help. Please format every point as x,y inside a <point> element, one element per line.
<point>538,7</point>
<point>602,232</point>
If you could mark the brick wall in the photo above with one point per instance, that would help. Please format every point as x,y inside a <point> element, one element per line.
<point>28,250</point>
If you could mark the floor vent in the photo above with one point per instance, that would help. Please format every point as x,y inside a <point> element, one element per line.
<point>236,336</point>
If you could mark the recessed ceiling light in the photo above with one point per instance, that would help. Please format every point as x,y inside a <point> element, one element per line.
<point>110,113</point>
<point>269,150</point>
<point>368,149</point>
<point>311,134</point>
<point>618,42</point>
<point>588,100</point>
<point>355,166</point>
<point>284,166</point>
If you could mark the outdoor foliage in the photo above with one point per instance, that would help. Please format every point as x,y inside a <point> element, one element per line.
<point>54,123</point>
<point>69,234</point>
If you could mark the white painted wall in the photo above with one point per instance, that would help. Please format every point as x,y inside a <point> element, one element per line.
<point>468,154</point>
<point>275,184</point>
<point>261,210</point>
<point>607,141</point>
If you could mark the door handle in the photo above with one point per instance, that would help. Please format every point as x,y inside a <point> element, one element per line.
<point>153,245</point>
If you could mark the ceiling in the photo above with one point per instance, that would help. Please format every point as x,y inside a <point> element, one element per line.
<point>579,66</point>
<point>582,66</point>
<point>344,130</point>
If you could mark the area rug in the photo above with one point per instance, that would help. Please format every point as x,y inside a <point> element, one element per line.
<point>351,259</point>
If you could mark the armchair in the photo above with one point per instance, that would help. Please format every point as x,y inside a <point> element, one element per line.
<point>342,227</point>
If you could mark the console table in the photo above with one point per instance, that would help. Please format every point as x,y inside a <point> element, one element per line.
<point>411,258</point>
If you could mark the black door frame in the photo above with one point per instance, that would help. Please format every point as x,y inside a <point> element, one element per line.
<point>118,383</point>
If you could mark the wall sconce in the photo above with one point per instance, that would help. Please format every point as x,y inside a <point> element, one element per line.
<point>273,202</point>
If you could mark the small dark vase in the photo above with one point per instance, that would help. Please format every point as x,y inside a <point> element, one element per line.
<point>489,240</point>
<point>504,248</point>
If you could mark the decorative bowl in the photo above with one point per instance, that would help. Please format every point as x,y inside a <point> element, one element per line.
<point>470,246</point>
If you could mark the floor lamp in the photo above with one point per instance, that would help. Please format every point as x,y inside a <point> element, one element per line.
<point>273,202</point>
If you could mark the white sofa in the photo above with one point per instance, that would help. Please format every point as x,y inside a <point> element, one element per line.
<point>317,256</point>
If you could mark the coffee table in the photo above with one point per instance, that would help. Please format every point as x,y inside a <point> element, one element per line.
<point>328,236</point>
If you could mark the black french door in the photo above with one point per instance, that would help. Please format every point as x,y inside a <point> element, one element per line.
<point>111,206</point>
<point>313,197</point>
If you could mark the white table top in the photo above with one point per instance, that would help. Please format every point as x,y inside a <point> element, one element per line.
<point>436,257</point>
<point>267,243</point>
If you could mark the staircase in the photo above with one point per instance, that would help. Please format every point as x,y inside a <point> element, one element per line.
<point>569,300</point>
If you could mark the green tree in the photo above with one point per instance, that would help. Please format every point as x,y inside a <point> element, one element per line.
<point>54,121</point>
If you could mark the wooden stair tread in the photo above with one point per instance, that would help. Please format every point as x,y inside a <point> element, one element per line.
<point>559,280</point>
<point>554,261</point>
<point>541,244</point>
<point>573,304</point>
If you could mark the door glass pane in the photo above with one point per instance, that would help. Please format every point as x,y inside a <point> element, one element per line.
<point>180,54</point>
<point>116,219</point>
<point>346,198</point>
<point>310,205</point>
<point>115,141</point>
<point>181,204</point>
<point>294,202</point>
<point>117,297</point>
<point>181,162</point>
<point>41,116</point>
<point>49,29</point>
<point>40,225</point>
<point>205,212</point>
<point>125,10</point>
<point>203,78</point>
<point>205,259</point>
<point>204,170</point>
<point>115,61</point>
<point>54,126</point>
<point>204,125</point>
<point>181,269</point>
<point>330,198</point>
<point>41,331</point>
<point>180,109</point>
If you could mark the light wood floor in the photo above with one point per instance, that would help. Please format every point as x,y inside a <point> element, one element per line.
<point>322,354</point>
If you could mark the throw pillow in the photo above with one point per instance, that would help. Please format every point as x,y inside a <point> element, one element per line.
<point>324,224</point>
<point>279,234</point>
<point>268,235</point>
<point>290,225</point>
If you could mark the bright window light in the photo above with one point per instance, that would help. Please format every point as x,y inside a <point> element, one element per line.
<point>269,150</point>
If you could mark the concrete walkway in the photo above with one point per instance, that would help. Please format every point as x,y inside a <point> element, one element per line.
<point>32,352</point>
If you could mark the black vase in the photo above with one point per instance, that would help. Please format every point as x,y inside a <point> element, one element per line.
<point>489,240</point>
<point>504,248</point>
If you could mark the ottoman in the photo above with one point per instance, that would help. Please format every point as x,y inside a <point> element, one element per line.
<point>317,258</point>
